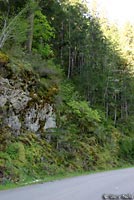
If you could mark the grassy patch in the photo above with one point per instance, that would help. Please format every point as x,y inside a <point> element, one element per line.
<point>30,180</point>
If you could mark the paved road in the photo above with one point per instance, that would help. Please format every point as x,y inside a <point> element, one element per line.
<point>88,187</point>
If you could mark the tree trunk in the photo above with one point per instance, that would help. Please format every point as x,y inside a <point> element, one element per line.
<point>69,64</point>
<point>115,109</point>
<point>30,31</point>
<point>69,50</point>
<point>33,5</point>
<point>62,40</point>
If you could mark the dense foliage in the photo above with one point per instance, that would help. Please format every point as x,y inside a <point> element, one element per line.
<point>84,67</point>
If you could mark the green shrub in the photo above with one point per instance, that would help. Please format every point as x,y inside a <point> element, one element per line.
<point>126,148</point>
<point>16,151</point>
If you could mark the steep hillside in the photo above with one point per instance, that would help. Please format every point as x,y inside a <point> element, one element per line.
<point>46,127</point>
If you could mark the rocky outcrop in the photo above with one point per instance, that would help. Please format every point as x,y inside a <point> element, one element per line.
<point>20,111</point>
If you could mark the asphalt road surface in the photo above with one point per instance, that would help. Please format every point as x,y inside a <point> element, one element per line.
<point>118,184</point>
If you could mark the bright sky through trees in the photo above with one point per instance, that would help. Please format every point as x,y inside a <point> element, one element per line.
<point>118,11</point>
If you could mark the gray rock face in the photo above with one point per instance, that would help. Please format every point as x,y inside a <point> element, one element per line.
<point>14,123</point>
<point>50,121</point>
<point>20,116</point>
<point>17,98</point>
<point>35,116</point>
<point>3,100</point>
<point>31,120</point>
